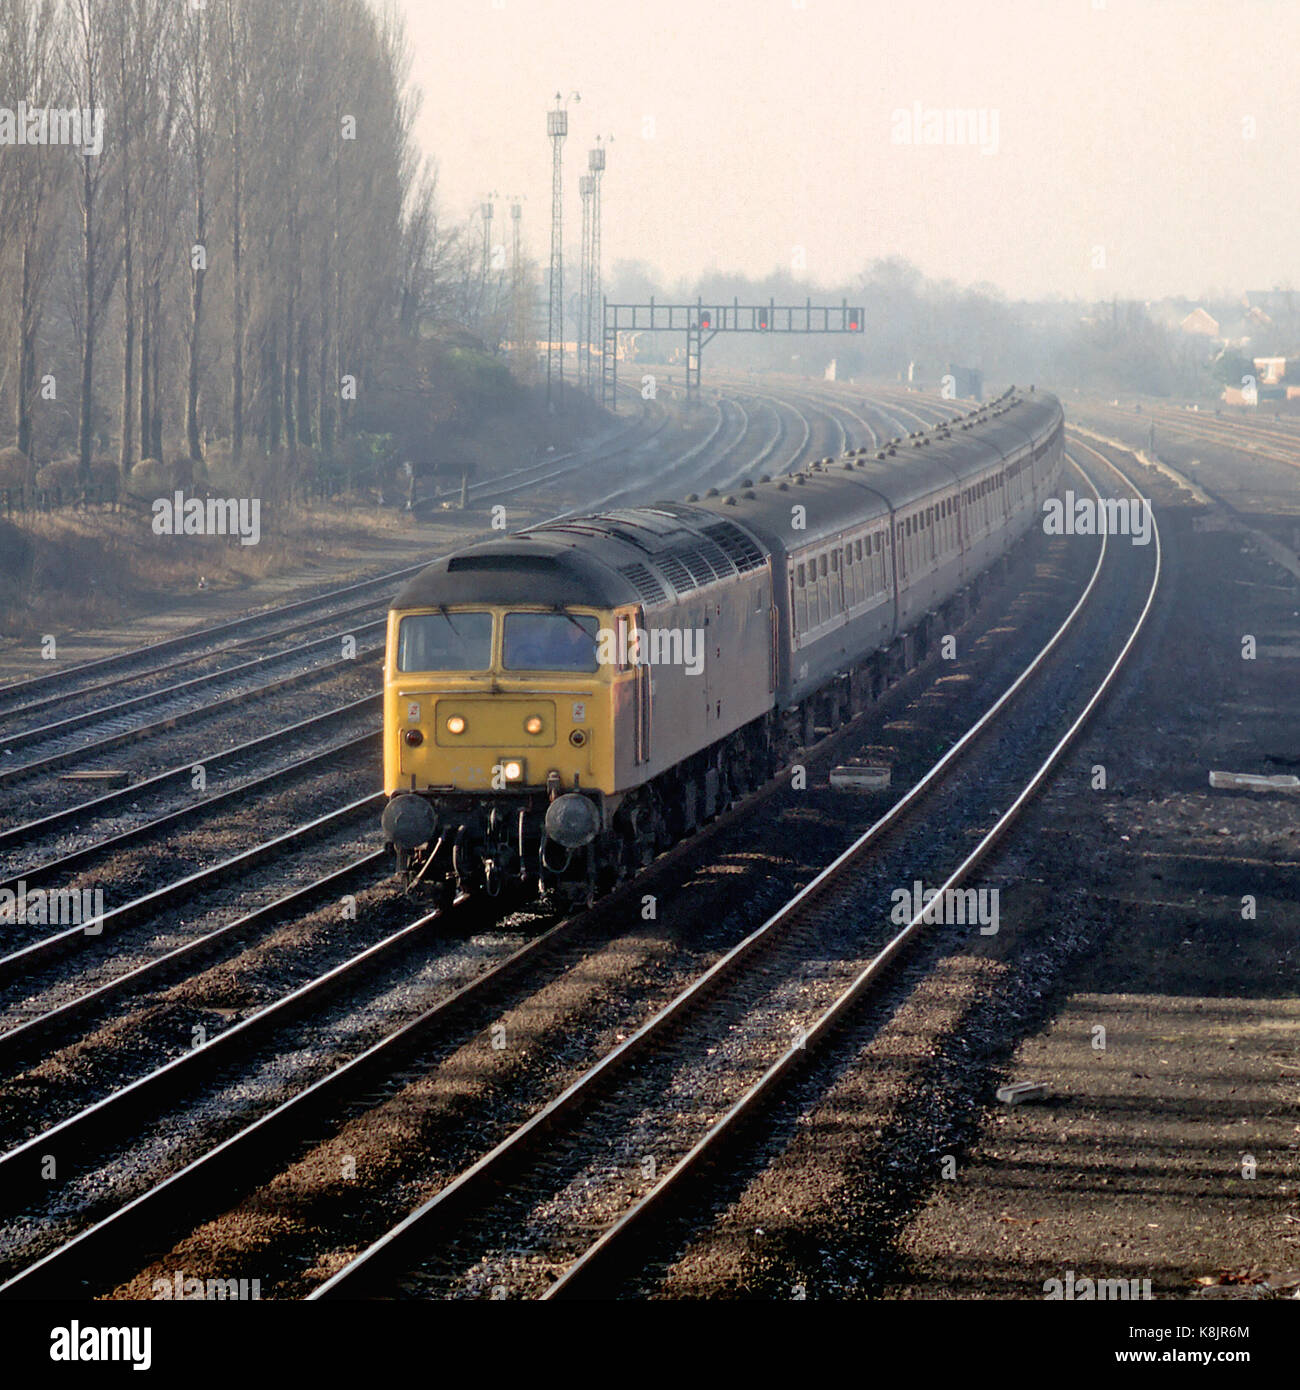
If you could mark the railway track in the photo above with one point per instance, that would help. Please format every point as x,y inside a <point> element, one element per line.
<point>260,1145</point>
<point>179,778</point>
<point>177,697</point>
<point>125,732</point>
<point>120,1230</point>
<point>38,1032</point>
<point>52,871</point>
<point>41,948</point>
<point>39,1029</point>
<point>569,1149</point>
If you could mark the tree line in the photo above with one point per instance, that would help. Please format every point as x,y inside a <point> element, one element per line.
<point>224,269</point>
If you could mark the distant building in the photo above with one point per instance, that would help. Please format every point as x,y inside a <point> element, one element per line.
<point>1200,323</point>
<point>1276,306</point>
<point>1270,370</point>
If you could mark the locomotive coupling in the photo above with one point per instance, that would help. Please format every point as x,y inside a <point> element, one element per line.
<point>409,821</point>
<point>573,820</point>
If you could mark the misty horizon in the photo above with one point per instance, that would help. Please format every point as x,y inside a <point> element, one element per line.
<point>1130,151</point>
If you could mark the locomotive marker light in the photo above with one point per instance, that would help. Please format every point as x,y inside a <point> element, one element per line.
<point>533,724</point>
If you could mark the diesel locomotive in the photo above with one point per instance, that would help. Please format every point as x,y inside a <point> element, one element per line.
<point>563,703</point>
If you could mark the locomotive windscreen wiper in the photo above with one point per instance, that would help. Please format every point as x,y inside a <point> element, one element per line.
<point>565,613</point>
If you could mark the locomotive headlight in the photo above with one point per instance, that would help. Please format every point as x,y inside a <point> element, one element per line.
<point>533,724</point>
<point>513,770</point>
<point>456,724</point>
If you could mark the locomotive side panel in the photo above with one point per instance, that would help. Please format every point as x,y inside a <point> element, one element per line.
<point>710,672</point>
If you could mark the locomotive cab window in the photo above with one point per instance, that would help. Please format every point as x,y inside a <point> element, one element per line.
<point>549,642</point>
<point>446,641</point>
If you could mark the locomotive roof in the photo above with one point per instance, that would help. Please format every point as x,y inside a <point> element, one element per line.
<point>634,554</point>
<point>649,553</point>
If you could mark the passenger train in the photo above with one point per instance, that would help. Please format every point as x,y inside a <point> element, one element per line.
<point>563,703</point>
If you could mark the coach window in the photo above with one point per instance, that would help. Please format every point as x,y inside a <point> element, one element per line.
<point>823,588</point>
<point>800,600</point>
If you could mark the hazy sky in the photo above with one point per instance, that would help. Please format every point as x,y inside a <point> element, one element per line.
<point>1159,136</point>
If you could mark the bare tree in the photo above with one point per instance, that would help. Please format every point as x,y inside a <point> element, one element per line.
<point>85,64</point>
<point>31,192</point>
<point>197,117</point>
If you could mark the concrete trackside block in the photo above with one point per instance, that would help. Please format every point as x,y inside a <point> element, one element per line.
<point>1022,1091</point>
<point>859,779</point>
<point>1249,782</point>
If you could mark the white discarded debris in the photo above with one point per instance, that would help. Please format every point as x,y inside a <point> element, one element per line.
<point>1249,782</point>
<point>867,778</point>
<point>1022,1091</point>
